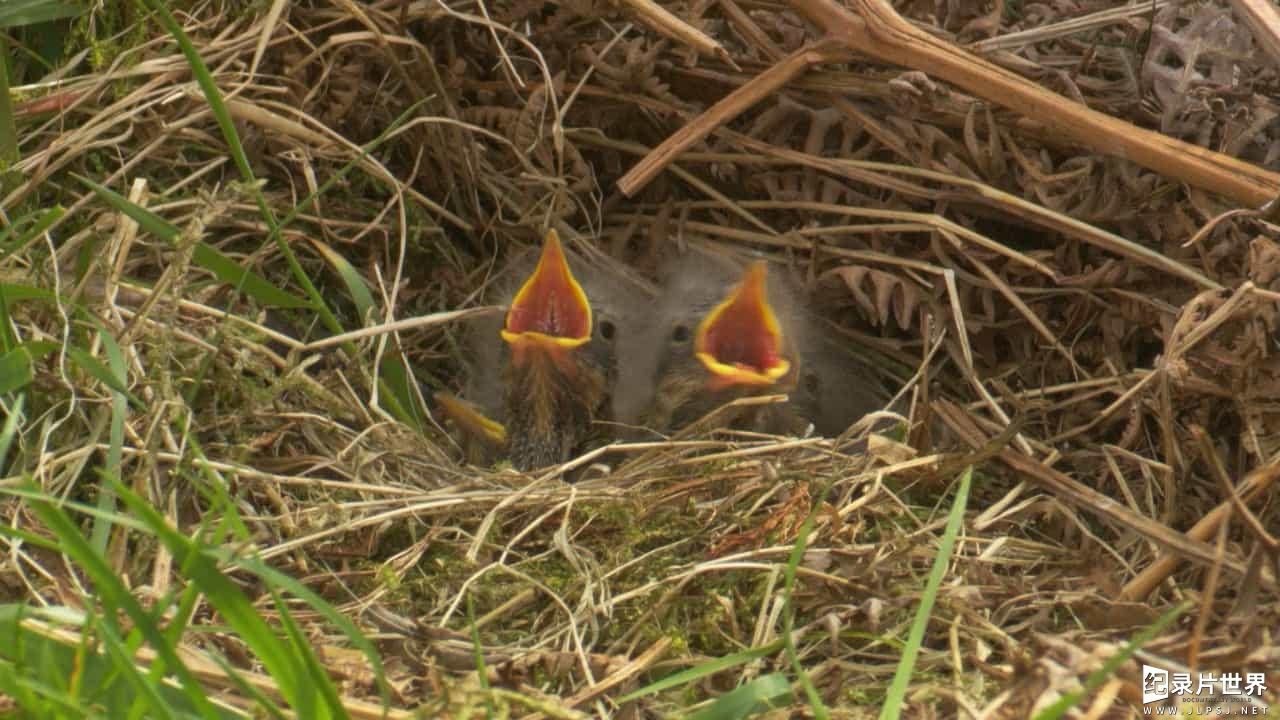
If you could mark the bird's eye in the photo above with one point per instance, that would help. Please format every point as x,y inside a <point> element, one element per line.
<point>811,383</point>
<point>680,333</point>
<point>607,329</point>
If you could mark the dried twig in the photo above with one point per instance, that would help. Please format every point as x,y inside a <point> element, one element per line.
<point>662,20</point>
<point>1254,485</point>
<point>1263,19</point>
<point>726,109</point>
<point>873,27</point>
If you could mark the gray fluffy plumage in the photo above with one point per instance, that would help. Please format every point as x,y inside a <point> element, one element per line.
<point>552,416</point>
<point>663,386</point>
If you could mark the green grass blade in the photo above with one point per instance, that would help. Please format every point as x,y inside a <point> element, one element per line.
<point>203,254</point>
<point>26,689</point>
<point>765,692</point>
<point>7,338</point>
<point>396,380</point>
<point>251,691</point>
<point>16,365</point>
<point>289,584</point>
<point>46,676</point>
<point>147,220</point>
<point>400,397</point>
<point>1113,663</point>
<point>15,370</point>
<point>331,705</point>
<point>40,699</point>
<point>13,292</point>
<point>213,96</point>
<point>703,670</point>
<point>28,537</point>
<point>28,228</point>
<point>114,596</point>
<point>357,288</point>
<point>148,695</point>
<point>102,373</point>
<point>250,283</point>
<point>271,577</point>
<point>397,395</point>
<point>13,415</point>
<point>115,441</point>
<point>897,694</point>
<point>38,226</point>
<point>477,655</point>
<point>816,706</point>
<point>285,662</point>
<point>230,524</point>
<point>15,13</point>
<point>8,125</point>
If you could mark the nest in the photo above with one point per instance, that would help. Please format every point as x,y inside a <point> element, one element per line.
<point>1093,335</point>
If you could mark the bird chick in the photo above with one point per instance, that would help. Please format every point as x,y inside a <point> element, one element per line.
<point>715,340</point>
<point>546,375</point>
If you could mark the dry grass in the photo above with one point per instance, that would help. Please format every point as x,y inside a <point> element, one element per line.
<point>1098,339</point>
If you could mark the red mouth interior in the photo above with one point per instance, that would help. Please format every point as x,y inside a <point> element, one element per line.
<point>549,307</point>
<point>740,337</point>
<point>550,302</point>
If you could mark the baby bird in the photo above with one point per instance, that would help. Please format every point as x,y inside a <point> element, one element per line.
<point>715,340</point>
<point>543,379</point>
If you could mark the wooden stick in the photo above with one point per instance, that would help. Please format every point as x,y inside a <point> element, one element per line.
<point>729,107</point>
<point>1254,484</point>
<point>1077,494</point>
<point>661,20</point>
<point>1263,20</point>
<point>875,29</point>
<point>1083,496</point>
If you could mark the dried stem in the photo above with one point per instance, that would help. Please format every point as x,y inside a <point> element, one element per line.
<point>875,29</point>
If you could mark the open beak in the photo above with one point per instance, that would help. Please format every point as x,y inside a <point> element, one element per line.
<point>740,341</point>
<point>550,311</point>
